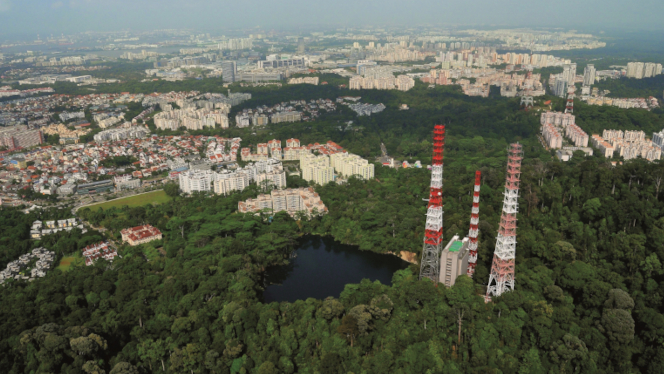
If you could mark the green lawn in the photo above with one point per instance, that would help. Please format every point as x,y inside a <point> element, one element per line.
<point>67,262</point>
<point>156,197</point>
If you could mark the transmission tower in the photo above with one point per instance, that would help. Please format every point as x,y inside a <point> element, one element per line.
<point>474,220</point>
<point>502,269</point>
<point>430,264</point>
<point>527,101</point>
<point>569,108</point>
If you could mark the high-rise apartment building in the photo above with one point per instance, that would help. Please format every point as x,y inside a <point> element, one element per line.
<point>20,137</point>
<point>196,180</point>
<point>316,169</point>
<point>349,165</point>
<point>649,70</point>
<point>229,71</point>
<point>635,70</point>
<point>569,73</point>
<point>589,75</point>
<point>560,87</point>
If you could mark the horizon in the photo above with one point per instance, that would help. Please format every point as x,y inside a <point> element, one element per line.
<point>48,16</point>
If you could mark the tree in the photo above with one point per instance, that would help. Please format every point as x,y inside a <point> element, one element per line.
<point>331,364</point>
<point>569,349</point>
<point>348,328</point>
<point>267,367</point>
<point>124,368</point>
<point>91,367</point>
<point>330,309</point>
<point>618,324</point>
<point>172,189</point>
<point>619,299</point>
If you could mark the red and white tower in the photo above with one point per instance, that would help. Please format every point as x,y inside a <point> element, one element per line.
<point>569,108</point>
<point>502,269</point>
<point>474,220</point>
<point>433,235</point>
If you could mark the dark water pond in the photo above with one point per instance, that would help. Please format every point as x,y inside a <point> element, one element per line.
<point>322,267</point>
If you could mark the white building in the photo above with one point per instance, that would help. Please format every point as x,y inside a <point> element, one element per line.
<point>196,180</point>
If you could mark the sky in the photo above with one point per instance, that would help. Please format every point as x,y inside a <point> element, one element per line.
<point>67,16</point>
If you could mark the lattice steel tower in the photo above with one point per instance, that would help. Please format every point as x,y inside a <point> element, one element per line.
<point>569,107</point>
<point>502,269</point>
<point>474,220</point>
<point>430,263</point>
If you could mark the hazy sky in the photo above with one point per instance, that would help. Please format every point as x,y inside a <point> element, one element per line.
<point>45,16</point>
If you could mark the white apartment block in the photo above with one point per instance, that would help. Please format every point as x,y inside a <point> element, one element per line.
<point>190,118</point>
<point>231,182</point>
<point>304,80</point>
<point>275,178</point>
<point>286,117</point>
<point>294,153</point>
<point>551,136</point>
<point>628,144</point>
<point>349,165</point>
<point>402,83</point>
<point>577,136</point>
<point>554,124</point>
<point>604,147</point>
<point>242,120</point>
<point>292,201</point>
<point>658,139</point>
<point>317,169</point>
<point>196,180</point>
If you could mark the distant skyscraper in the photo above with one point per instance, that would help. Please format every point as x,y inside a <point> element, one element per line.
<point>569,73</point>
<point>589,75</point>
<point>635,70</point>
<point>228,71</point>
<point>649,70</point>
<point>560,89</point>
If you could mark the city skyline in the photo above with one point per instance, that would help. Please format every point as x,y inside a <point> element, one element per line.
<point>42,16</point>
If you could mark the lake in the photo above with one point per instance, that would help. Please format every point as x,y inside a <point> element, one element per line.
<point>321,267</point>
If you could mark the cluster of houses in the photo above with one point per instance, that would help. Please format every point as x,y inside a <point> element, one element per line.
<point>99,250</point>
<point>39,228</point>
<point>40,257</point>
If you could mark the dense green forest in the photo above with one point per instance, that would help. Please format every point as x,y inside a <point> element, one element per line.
<point>629,87</point>
<point>589,277</point>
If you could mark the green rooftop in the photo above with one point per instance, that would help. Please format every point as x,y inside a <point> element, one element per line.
<point>456,246</point>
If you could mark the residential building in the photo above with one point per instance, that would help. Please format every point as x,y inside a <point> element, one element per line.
<point>349,165</point>
<point>551,136</point>
<point>140,234</point>
<point>196,180</point>
<point>100,250</point>
<point>275,178</point>
<point>230,182</point>
<point>317,169</point>
<point>635,70</point>
<point>589,75</point>
<point>292,201</point>
<point>20,137</point>
<point>286,117</point>
<point>229,70</point>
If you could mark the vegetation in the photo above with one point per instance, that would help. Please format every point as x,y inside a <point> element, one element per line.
<point>589,262</point>
<point>67,262</point>
<point>629,87</point>
<point>154,197</point>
